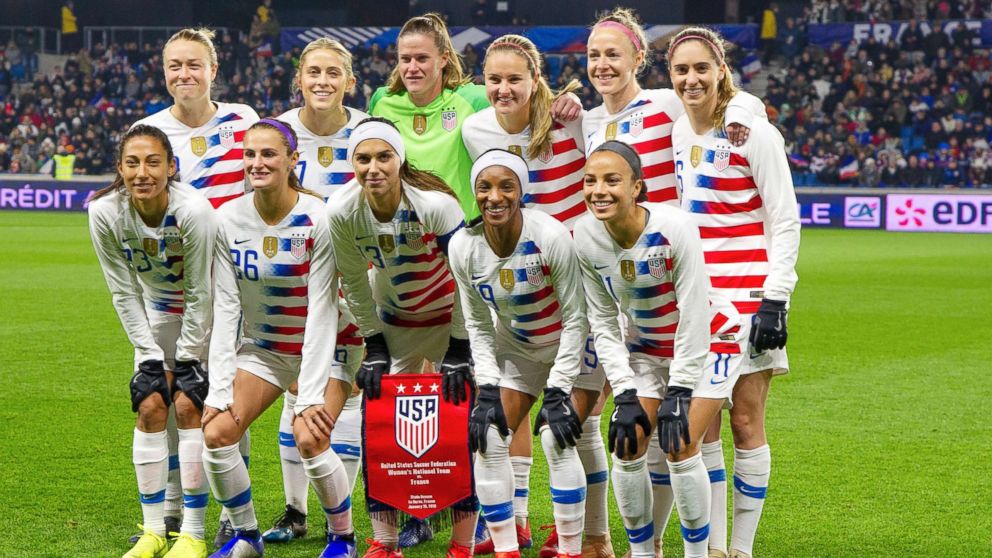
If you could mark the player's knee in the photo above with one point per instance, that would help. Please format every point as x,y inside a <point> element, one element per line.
<point>745,426</point>
<point>187,415</point>
<point>152,413</point>
<point>220,432</point>
<point>308,444</point>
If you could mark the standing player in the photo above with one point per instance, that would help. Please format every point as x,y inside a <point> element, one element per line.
<point>153,237</point>
<point>519,120</point>
<point>322,125</point>
<point>743,201</point>
<point>206,138</point>
<point>398,221</point>
<point>645,260</point>
<point>520,264</point>
<point>276,284</point>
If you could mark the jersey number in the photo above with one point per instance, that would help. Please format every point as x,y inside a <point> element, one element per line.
<point>245,267</point>
<point>590,358</point>
<point>144,265</point>
<point>376,257</point>
<point>486,292</point>
<point>301,169</point>
<point>609,287</point>
<point>678,176</point>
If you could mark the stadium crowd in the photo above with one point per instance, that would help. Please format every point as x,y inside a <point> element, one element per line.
<point>916,111</point>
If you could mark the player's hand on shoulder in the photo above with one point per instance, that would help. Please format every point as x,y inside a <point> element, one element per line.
<point>566,108</point>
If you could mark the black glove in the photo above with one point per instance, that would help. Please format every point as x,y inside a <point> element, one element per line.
<point>374,366</point>
<point>673,419</point>
<point>627,414</point>
<point>149,379</point>
<point>188,377</point>
<point>560,416</point>
<point>488,410</point>
<point>456,370</point>
<point>768,329</point>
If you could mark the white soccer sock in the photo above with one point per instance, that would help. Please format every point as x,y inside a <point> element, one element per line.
<point>196,492</point>
<point>632,489</point>
<point>173,486</point>
<point>568,492</point>
<point>244,448</point>
<point>751,471</point>
<point>494,485</point>
<point>294,478</point>
<point>691,485</point>
<point>228,476</point>
<point>330,482</point>
<point>661,489</point>
<point>150,454</point>
<point>384,528</point>
<point>346,438</point>
<point>592,454</point>
<point>713,459</point>
<point>521,486</point>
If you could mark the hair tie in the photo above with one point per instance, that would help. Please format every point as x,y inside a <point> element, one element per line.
<point>624,150</point>
<point>610,24</point>
<point>526,54</point>
<point>283,129</point>
<point>717,51</point>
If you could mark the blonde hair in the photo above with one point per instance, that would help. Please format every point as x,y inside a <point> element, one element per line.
<point>432,24</point>
<point>629,19</point>
<point>714,43</point>
<point>540,104</point>
<point>200,35</point>
<point>326,43</point>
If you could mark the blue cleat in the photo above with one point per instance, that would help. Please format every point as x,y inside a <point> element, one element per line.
<point>291,525</point>
<point>414,532</point>
<point>244,544</point>
<point>339,546</point>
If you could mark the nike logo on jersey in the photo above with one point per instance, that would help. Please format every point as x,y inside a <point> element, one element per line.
<point>126,240</point>
<point>242,241</point>
<point>357,238</point>
<point>477,277</point>
<point>599,267</point>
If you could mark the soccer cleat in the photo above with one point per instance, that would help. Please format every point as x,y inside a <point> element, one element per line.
<point>524,538</point>
<point>739,554</point>
<point>481,535</point>
<point>379,550</point>
<point>486,547</point>
<point>597,546</point>
<point>550,547</point>
<point>149,545</point>
<point>225,532</point>
<point>456,550</point>
<point>244,544</point>
<point>292,524</point>
<point>188,547</point>
<point>339,546</point>
<point>172,525</point>
<point>414,532</point>
<point>510,554</point>
<point>714,553</point>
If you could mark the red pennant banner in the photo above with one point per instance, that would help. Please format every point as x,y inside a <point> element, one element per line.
<point>416,446</point>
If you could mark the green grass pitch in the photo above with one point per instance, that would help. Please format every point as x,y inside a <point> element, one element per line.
<point>880,436</point>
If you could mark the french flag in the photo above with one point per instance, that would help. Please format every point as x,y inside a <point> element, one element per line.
<point>849,169</point>
<point>750,66</point>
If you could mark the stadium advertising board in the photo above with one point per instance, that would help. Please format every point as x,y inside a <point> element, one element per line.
<point>939,213</point>
<point>840,211</point>
<point>45,194</point>
<point>824,35</point>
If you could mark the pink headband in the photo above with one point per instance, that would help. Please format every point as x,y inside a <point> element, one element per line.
<point>716,50</point>
<point>520,48</point>
<point>610,24</point>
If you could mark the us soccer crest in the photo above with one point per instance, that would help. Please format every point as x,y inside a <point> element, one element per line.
<point>419,124</point>
<point>150,245</point>
<point>628,270</point>
<point>611,131</point>
<point>298,247</point>
<point>506,279</point>
<point>516,150</point>
<point>449,120</point>
<point>226,137</point>
<point>721,159</point>
<point>414,237</point>
<point>636,125</point>
<point>545,155</point>
<point>696,156</point>
<point>198,145</point>
<point>173,242</point>
<point>656,267</point>
<point>416,423</point>
<point>387,243</point>
<point>535,275</point>
<point>325,155</point>
<point>270,246</point>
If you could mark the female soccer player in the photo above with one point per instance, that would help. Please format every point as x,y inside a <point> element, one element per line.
<point>154,238</point>
<point>646,260</point>
<point>617,51</point>
<point>744,204</point>
<point>276,283</point>
<point>519,120</point>
<point>398,221</point>
<point>322,125</point>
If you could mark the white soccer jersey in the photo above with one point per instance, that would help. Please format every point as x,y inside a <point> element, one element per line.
<point>555,179</point>
<point>744,204</point>
<point>209,158</point>
<point>646,125</point>
<point>324,165</point>
<point>280,283</point>
<point>411,285</point>
<point>160,272</point>
<point>536,294</point>
<point>660,286</point>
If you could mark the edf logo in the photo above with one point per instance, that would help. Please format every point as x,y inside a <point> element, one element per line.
<point>862,212</point>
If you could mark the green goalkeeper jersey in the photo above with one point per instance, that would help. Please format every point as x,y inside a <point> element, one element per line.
<point>432,134</point>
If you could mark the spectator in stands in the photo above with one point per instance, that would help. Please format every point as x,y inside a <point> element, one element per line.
<point>869,176</point>
<point>70,29</point>
<point>769,31</point>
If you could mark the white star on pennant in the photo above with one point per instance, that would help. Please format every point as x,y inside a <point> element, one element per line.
<point>434,388</point>
<point>400,388</point>
<point>417,387</point>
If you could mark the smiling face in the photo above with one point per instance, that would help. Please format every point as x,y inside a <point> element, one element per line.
<point>267,163</point>
<point>377,167</point>
<point>188,72</point>
<point>696,74</point>
<point>146,167</point>
<point>420,63</point>
<point>609,186</point>
<point>509,83</point>
<point>498,193</point>
<point>324,78</point>
<point>612,62</point>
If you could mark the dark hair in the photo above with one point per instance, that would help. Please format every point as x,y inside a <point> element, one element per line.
<point>294,181</point>
<point>633,160</point>
<point>419,179</point>
<point>139,130</point>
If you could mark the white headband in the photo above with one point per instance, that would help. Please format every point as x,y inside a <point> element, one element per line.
<point>498,157</point>
<point>376,130</point>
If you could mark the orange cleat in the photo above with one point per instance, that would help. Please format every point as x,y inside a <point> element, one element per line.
<point>524,540</point>
<point>458,551</point>
<point>510,554</point>
<point>550,548</point>
<point>379,550</point>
